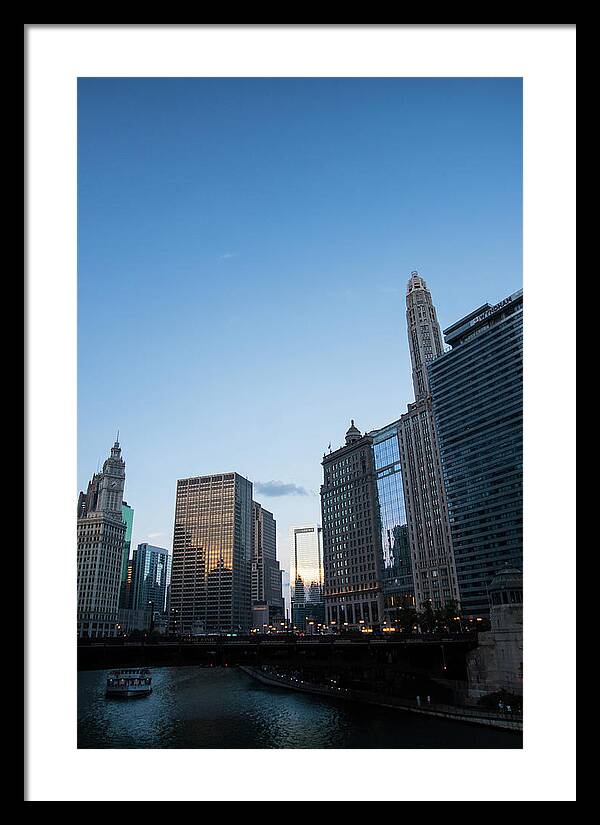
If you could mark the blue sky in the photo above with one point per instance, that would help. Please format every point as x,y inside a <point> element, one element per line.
<point>243,251</point>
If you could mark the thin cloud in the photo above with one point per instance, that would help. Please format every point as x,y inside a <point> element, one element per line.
<point>278,488</point>
<point>228,255</point>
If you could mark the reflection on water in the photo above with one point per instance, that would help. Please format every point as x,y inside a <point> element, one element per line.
<point>195,707</point>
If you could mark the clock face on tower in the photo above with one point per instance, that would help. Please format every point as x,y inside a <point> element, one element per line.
<point>113,485</point>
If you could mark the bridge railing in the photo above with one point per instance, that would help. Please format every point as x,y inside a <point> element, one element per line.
<point>285,639</point>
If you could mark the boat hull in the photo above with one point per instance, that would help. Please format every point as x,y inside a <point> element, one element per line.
<point>128,693</point>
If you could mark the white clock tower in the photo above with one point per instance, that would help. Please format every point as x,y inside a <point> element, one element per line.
<point>112,482</point>
<point>100,549</point>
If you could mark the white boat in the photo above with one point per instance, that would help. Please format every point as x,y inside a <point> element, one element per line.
<point>133,681</point>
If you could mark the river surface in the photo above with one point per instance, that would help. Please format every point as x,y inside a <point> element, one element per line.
<point>197,707</point>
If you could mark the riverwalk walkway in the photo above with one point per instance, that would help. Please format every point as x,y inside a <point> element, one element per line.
<point>473,715</point>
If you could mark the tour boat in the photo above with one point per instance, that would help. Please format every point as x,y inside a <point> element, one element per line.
<point>133,681</point>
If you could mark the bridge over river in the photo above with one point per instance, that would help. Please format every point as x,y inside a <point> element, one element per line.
<point>425,662</point>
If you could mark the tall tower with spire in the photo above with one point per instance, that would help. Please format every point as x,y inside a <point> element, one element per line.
<point>112,482</point>
<point>434,569</point>
<point>424,334</point>
<point>100,547</point>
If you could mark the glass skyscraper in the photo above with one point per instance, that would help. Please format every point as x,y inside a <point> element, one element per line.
<point>477,391</point>
<point>306,577</point>
<point>124,594</point>
<point>267,598</point>
<point>149,578</point>
<point>212,555</point>
<point>396,568</point>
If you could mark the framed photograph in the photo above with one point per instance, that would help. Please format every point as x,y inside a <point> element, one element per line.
<point>300,407</point>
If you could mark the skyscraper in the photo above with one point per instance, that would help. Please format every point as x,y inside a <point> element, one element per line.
<point>477,390</point>
<point>267,598</point>
<point>352,560</point>
<point>429,535</point>
<point>396,561</point>
<point>285,586</point>
<point>149,578</point>
<point>212,555</point>
<point>100,547</point>
<point>424,337</point>
<point>306,574</point>
<point>124,593</point>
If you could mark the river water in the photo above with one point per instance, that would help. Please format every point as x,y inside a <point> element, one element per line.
<point>196,707</point>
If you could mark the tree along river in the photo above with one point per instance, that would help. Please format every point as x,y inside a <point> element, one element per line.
<point>204,707</point>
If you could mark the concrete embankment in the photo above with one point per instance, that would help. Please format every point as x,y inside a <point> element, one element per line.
<point>471,715</point>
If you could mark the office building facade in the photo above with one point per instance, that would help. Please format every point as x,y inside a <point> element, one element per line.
<point>266,584</point>
<point>124,593</point>
<point>430,541</point>
<point>308,617</point>
<point>212,555</point>
<point>396,561</point>
<point>149,579</point>
<point>287,595</point>
<point>100,547</point>
<point>129,621</point>
<point>477,391</point>
<point>352,563</point>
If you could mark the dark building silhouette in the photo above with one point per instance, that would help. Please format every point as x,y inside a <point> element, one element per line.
<point>477,390</point>
<point>267,597</point>
<point>352,560</point>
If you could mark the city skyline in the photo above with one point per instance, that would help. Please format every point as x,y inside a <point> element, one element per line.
<point>381,450</point>
<point>271,490</point>
<point>179,299</point>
